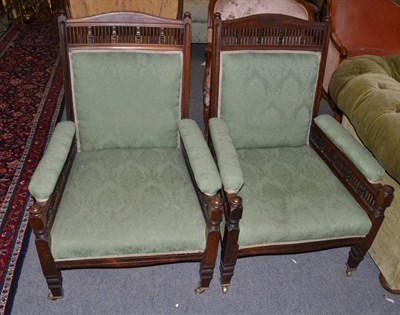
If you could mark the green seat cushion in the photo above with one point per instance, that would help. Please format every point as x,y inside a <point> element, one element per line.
<point>128,202</point>
<point>290,195</point>
<point>367,90</point>
<point>266,98</point>
<point>125,99</point>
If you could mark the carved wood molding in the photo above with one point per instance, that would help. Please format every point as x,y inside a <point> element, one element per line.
<point>374,198</point>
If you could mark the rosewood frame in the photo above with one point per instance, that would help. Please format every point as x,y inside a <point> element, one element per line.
<point>373,198</point>
<point>133,31</point>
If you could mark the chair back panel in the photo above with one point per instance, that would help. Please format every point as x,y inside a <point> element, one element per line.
<point>127,79</point>
<point>126,99</point>
<point>268,110</point>
<point>266,78</point>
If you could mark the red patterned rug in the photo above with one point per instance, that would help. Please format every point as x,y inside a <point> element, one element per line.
<point>31,96</point>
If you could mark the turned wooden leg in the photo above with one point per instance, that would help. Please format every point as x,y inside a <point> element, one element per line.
<point>54,282</point>
<point>228,255</point>
<point>356,255</point>
<point>213,236</point>
<point>37,220</point>
<point>230,247</point>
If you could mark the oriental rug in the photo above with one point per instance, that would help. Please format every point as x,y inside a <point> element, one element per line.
<point>31,94</point>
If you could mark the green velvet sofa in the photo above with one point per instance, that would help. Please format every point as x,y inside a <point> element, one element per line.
<point>367,90</point>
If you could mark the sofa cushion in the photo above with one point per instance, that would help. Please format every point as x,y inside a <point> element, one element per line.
<point>128,202</point>
<point>273,110</point>
<point>115,102</point>
<point>291,195</point>
<point>367,90</point>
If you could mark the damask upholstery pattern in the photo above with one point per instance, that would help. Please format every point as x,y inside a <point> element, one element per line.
<point>227,158</point>
<point>110,86</point>
<point>201,161</point>
<point>46,175</point>
<point>283,202</point>
<point>281,101</point>
<point>126,202</point>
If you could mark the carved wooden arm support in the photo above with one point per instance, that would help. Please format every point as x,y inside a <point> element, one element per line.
<point>374,198</point>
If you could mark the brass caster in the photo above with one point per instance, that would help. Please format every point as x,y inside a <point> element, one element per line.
<point>349,272</point>
<point>200,290</point>
<point>51,297</point>
<point>225,289</point>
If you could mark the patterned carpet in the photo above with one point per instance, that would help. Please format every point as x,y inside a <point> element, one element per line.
<point>30,104</point>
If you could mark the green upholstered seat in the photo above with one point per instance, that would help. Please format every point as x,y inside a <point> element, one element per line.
<point>124,202</point>
<point>290,195</point>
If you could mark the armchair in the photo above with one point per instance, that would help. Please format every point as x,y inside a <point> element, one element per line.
<point>128,180</point>
<point>292,181</point>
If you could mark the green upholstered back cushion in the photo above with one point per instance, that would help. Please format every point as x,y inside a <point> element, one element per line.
<point>367,90</point>
<point>266,99</point>
<point>125,99</point>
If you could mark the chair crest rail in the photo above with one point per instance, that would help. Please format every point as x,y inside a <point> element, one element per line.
<point>272,34</point>
<point>107,30</point>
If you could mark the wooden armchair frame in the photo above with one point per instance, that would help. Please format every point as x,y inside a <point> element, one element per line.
<point>272,32</point>
<point>127,31</point>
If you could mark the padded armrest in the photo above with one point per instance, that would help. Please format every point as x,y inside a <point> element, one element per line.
<point>360,156</point>
<point>49,169</point>
<point>201,161</point>
<point>227,158</point>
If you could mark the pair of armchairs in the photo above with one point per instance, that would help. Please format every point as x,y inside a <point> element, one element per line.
<point>129,181</point>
